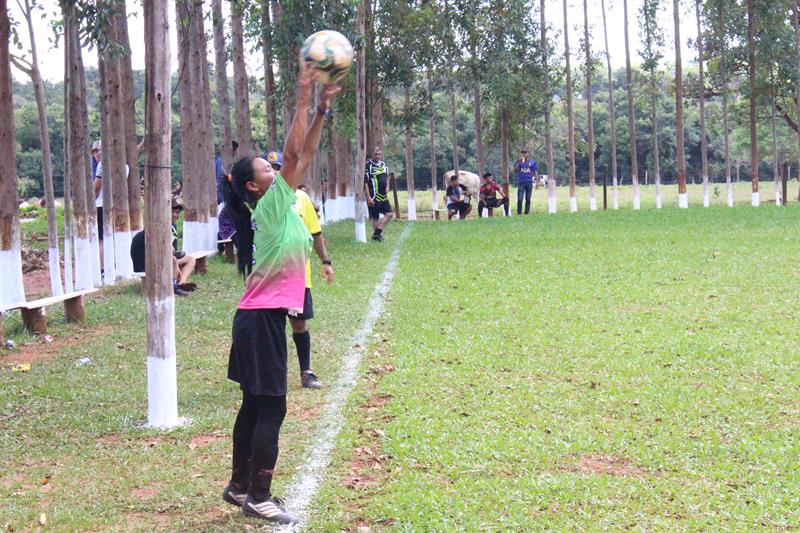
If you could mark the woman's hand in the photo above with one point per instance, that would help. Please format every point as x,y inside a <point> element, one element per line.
<point>305,82</point>
<point>327,93</point>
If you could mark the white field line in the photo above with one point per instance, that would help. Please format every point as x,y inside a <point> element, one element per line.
<point>309,475</point>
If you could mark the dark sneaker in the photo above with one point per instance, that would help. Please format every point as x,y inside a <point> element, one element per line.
<point>310,381</point>
<point>188,287</point>
<point>180,292</point>
<point>377,237</point>
<point>233,496</point>
<point>270,509</point>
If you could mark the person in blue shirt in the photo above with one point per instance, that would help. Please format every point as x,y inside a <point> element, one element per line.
<point>526,170</point>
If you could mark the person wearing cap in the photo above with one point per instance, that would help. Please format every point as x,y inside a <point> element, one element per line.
<point>182,264</point>
<point>526,170</point>
<point>301,335</point>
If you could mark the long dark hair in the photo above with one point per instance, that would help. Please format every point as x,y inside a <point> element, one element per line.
<point>239,203</point>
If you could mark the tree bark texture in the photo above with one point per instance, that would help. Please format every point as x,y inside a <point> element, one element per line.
<point>723,68</point>
<point>631,115</point>
<point>109,156</point>
<point>570,117</point>
<point>244,130</point>
<point>11,289</point>
<point>269,77</point>
<point>751,60</point>
<point>409,156</point>
<point>361,125</point>
<point>702,101</point>
<point>432,110</point>
<point>796,20</point>
<point>612,106</point>
<point>548,138</point>
<point>453,126</point>
<point>590,119</point>
<point>680,153</point>
<point>221,71</point>
<point>479,128</point>
<point>129,110</point>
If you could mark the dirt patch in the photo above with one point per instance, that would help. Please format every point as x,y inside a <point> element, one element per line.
<point>42,351</point>
<point>605,464</point>
<point>377,401</point>
<point>202,440</point>
<point>144,493</point>
<point>107,440</point>
<point>303,413</point>
<point>131,520</point>
<point>381,369</point>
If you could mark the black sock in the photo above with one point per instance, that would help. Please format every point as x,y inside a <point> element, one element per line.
<point>303,343</point>
<point>378,231</point>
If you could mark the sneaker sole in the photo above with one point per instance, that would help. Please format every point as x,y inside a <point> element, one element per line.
<point>275,520</point>
<point>227,497</point>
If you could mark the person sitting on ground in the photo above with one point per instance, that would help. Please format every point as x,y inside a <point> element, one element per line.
<point>489,191</point>
<point>457,199</point>
<point>182,264</point>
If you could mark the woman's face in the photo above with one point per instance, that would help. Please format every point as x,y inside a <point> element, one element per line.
<point>263,176</point>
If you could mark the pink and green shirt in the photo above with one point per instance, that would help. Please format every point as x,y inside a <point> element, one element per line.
<point>281,246</point>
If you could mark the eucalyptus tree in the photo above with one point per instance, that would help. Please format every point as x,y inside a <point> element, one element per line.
<point>221,72</point>
<point>11,290</point>
<point>652,42</point>
<point>472,19</point>
<point>573,201</point>
<point>361,125</point>
<point>631,115</point>
<point>701,98</point>
<point>589,72</point>
<point>547,98</point>
<point>796,23</point>
<point>269,76</point>
<point>680,153</point>
<point>720,44</point>
<point>162,394</point>
<point>751,65</point>
<point>244,129</point>
<point>612,110</point>
<point>31,68</point>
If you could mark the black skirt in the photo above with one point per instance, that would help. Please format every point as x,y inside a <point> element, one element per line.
<point>258,352</point>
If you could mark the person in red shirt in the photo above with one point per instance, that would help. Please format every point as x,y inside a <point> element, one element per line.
<point>488,195</point>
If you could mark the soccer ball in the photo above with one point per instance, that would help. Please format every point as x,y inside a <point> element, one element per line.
<point>330,52</point>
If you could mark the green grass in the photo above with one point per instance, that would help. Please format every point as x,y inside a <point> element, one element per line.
<point>586,371</point>
<point>582,372</point>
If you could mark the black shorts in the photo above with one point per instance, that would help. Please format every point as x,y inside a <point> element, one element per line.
<point>462,207</point>
<point>308,308</point>
<point>100,223</point>
<point>378,208</point>
<point>258,352</point>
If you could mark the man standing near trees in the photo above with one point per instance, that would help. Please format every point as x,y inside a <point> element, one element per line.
<point>526,171</point>
<point>376,187</point>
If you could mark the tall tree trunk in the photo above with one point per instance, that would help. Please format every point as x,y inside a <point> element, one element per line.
<point>331,212</point>
<point>680,152</point>
<point>77,169</point>
<point>11,289</point>
<point>631,116</point>
<point>206,149</point>
<point>573,201</point>
<point>453,127</point>
<point>776,166</point>
<point>702,99</point>
<point>119,174</point>
<point>223,101</point>
<point>361,128</point>
<point>244,130</point>
<point>612,106</point>
<point>162,397</point>
<point>412,202</point>
<point>110,154</point>
<point>69,278</point>
<point>723,67</point>
<point>796,19</point>
<point>56,288</point>
<point>189,128</point>
<point>654,121</point>
<point>479,128</point>
<point>269,77</point>
<point>548,99</point>
<point>434,172</point>
<point>504,153</point>
<point>129,109</point>
<point>590,120</point>
<point>751,61</point>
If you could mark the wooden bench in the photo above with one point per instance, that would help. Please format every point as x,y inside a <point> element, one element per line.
<point>34,317</point>
<point>230,253</point>
<point>201,259</point>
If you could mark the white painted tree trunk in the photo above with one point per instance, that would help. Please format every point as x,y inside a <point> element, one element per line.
<point>194,236</point>
<point>552,204</point>
<point>12,290</point>
<point>94,246</point>
<point>361,231</point>
<point>109,266</point>
<point>412,208</point>
<point>122,254</point>
<point>615,193</point>
<point>56,287</point>
<point>730,194</point>
<point>573,204</point>
<point>213,231</point>
<point>658,191</point>
<point>636,200</point>
<point>592,203</point>
<point>778,196</point>
<point>755,201</point>
<point>162,380</point>
<point>434,202</point>
<point>69,282</point>
<point>683,200</point>
<point>706,194</point>
<point>84,256</point>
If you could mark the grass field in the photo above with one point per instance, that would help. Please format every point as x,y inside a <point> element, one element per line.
<point>583,371</point>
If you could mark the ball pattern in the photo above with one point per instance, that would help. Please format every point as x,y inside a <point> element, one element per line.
<point>330,52</point>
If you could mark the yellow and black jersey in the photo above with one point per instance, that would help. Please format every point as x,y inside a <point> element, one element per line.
<point>376,176</point>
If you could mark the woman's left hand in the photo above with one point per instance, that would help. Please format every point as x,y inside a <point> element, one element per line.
<point>327,93</point>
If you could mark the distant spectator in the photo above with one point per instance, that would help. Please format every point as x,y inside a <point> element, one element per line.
<point>457,199</point>
<point>488,192</point>
<point>526,170</point>
<point>376,188</point>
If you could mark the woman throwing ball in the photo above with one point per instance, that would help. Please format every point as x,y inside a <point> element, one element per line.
<point>273,247</point>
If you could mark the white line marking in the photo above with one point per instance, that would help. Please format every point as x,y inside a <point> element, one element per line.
<point>306,481</point>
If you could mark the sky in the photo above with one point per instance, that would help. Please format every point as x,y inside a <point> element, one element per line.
<point>52,59</point>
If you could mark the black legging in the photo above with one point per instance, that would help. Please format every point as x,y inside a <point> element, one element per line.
<point>255,442</point>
